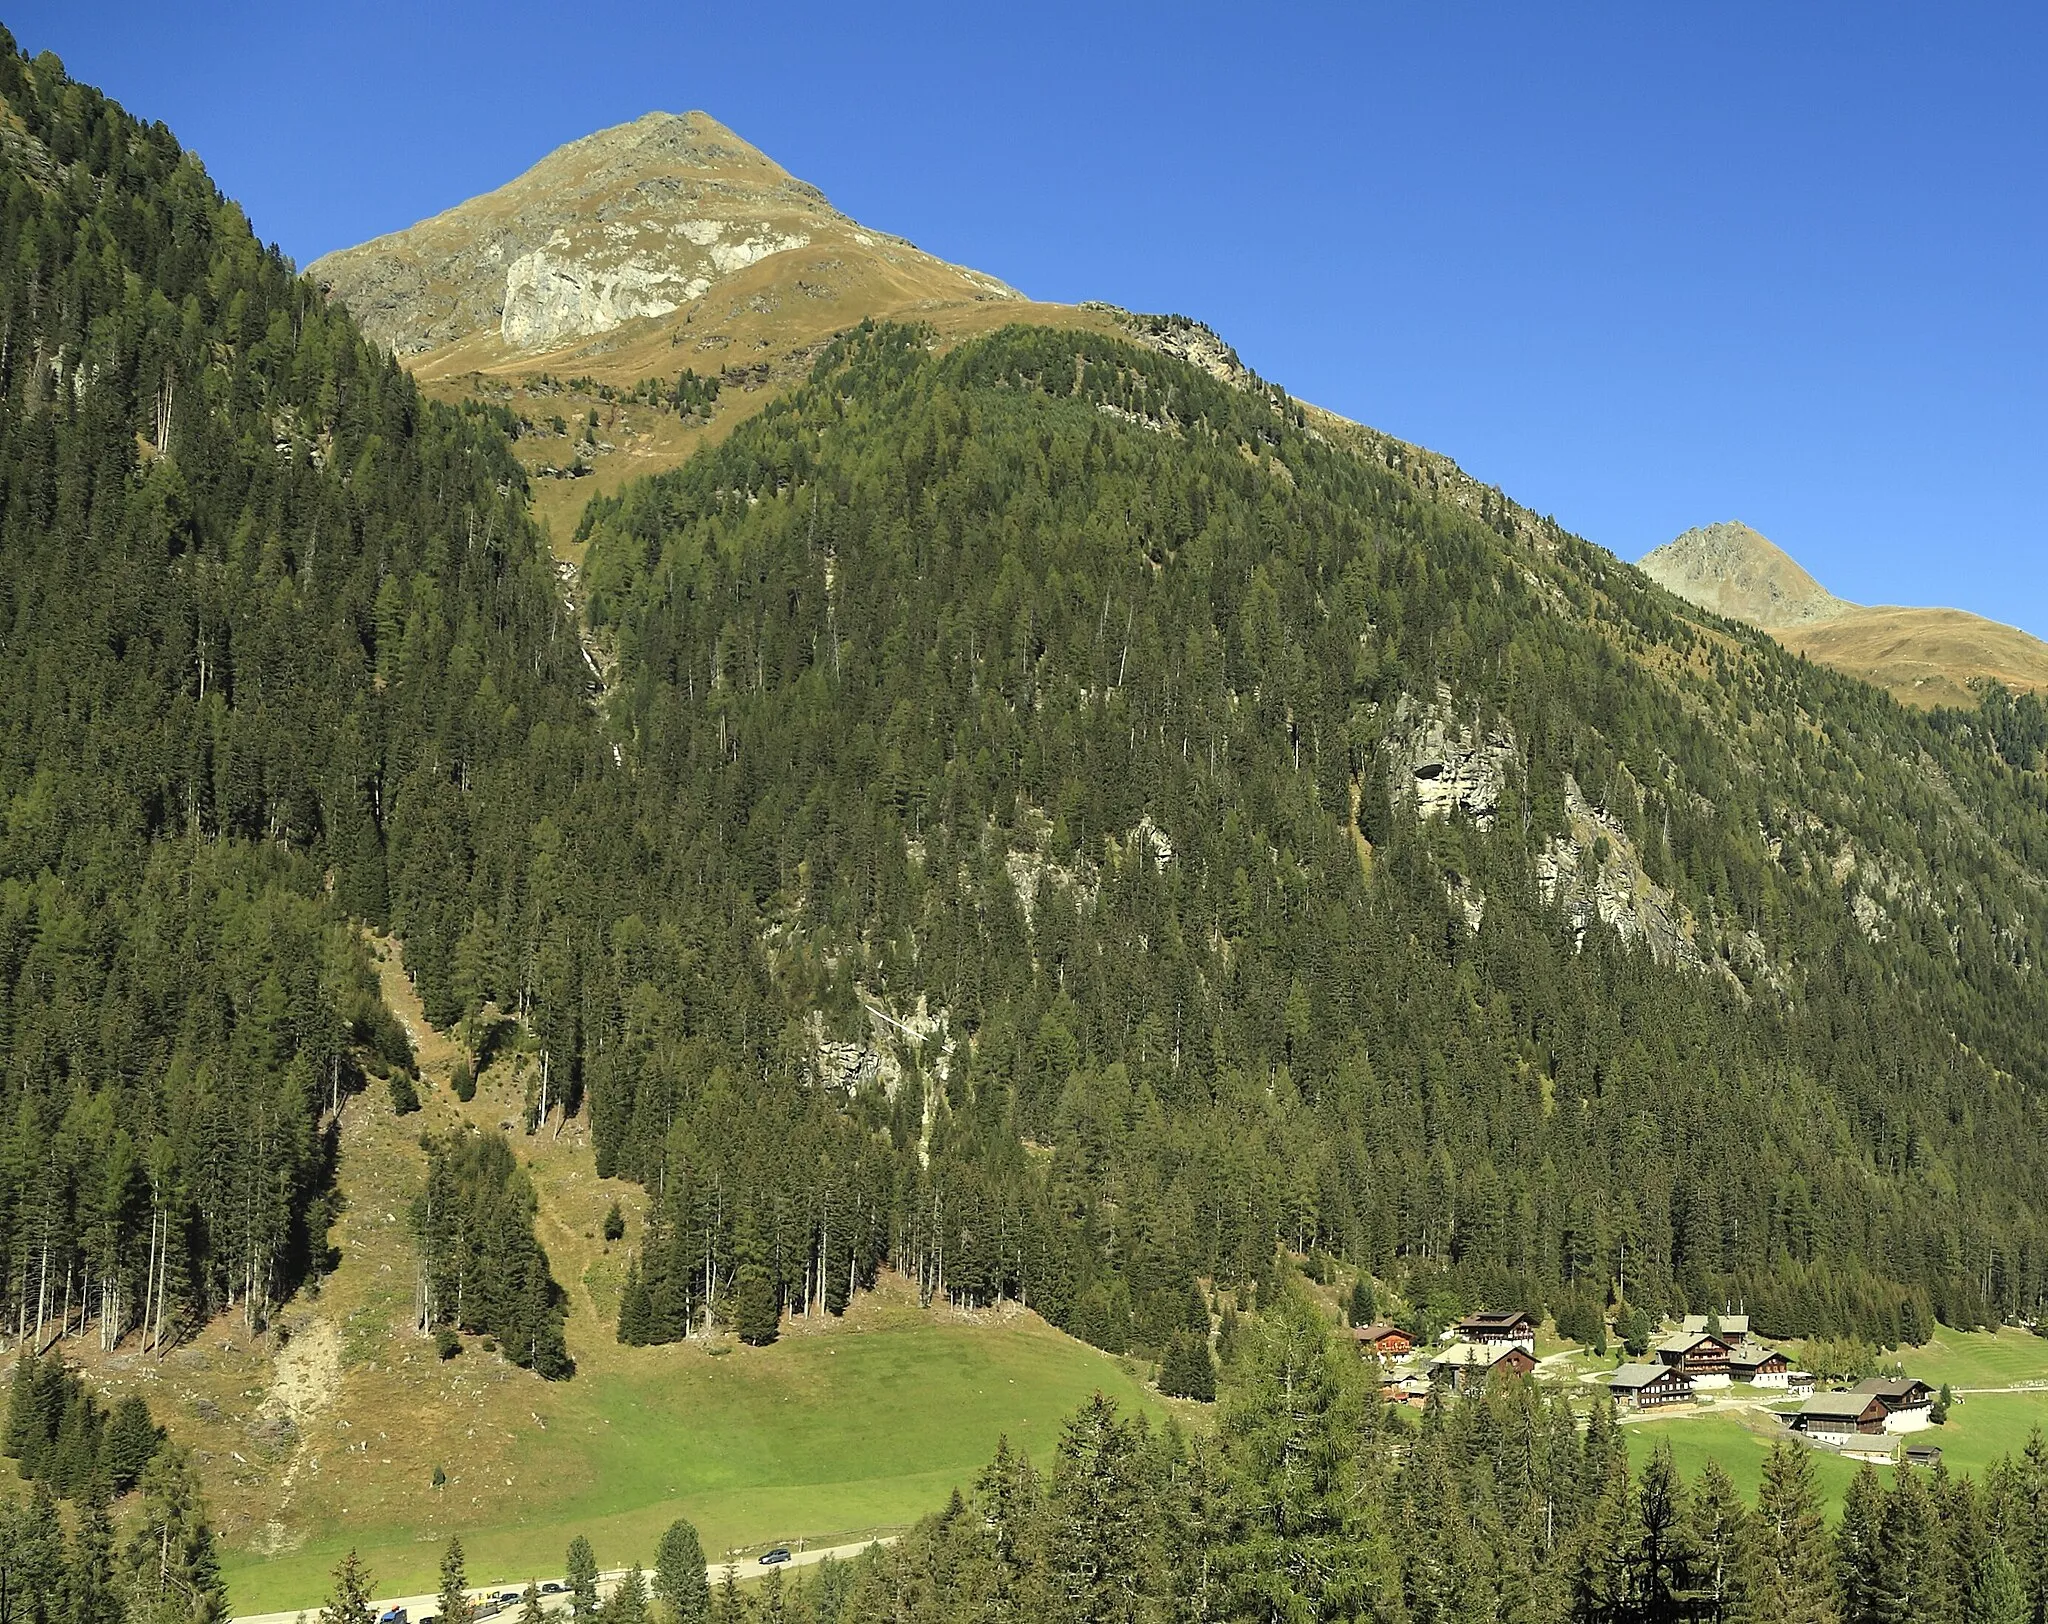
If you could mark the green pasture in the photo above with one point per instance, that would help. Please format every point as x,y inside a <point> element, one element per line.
<point>816,1437</point>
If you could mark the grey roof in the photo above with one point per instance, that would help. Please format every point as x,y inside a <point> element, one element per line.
<point>1837,1406</point>
<point>1735,1325</point>
<point>1892,1387</point>
<point>1753,1353</point>
<point>1643,1375</point>
<point>1472,1353</point>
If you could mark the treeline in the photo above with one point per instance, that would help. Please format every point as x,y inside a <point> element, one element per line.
<point>481,1269</point>
<point>60,1435</point>
<point>262,611</point>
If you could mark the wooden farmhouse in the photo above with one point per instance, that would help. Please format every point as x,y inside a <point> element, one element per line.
<point>1648,1386</point>
<point>1908,1404</point>
<point>1836,1415</point>
<point>1470,1364</point>
<point>1703,1356</point>
<point>1765,1367</point>
<point>1389,1342</point>
<point>1489,1327</point>
<point>1734,1327</point>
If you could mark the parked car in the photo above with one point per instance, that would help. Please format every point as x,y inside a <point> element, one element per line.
<point>395,1616</point>
<point>770,1558</point>
<point>508,1598</point>
<point>551,1588</point>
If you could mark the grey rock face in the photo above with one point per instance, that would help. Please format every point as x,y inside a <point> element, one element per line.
<point>1447,765</point>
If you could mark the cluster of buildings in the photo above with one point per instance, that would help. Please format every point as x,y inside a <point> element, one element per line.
<point>1878,1404</point>
<point>1698,1357</point>
<point>1481,1344</point>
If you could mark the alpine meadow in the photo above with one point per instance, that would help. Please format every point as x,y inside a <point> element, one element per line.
<point>1015,816</point>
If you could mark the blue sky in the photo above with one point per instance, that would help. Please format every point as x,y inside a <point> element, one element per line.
<point>1643,266</point>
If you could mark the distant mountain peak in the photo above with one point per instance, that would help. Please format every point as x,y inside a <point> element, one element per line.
<point>1735,571</point>
<point>1922,656</point>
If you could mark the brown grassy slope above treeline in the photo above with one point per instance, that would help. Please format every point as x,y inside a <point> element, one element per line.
<point>1922,657</point>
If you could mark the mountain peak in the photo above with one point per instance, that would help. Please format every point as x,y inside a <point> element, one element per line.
<point>1921,656</point>
<point>636,223</point>
<point>1737,572</point>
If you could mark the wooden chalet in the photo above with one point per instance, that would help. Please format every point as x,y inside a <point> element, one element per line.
<point>1471,1364</point>
<point>1836,1414</point>
<point>1649,1386</point>
<point>1734,1327</point>
<point>1765,1367</point>
<point>1389,1342</point>
<point>1908,1404</point>
<point>1490,1326</point>
<point>1703,1356</point>
<point>1923,1455</point>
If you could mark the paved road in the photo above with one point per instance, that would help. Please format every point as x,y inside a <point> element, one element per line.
<point>420,1606</point>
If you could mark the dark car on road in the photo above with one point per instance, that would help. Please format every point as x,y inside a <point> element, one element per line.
<point>770,1558</point>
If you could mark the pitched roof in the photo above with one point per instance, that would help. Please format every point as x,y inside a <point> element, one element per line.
<point>1838,1406</point>
<point>1472,1353</point>
<point>1376,1333</point>
<point>1685,1342</point>
<point>1732,1325</point>
<point>1754,1353</point>
<point>1895,1389</point>
<point>1643,1375</point>
<point>1497,1319</point>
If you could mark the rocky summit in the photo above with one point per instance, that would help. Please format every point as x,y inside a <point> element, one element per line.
<point>1732,570</point>
<point>633,224</point>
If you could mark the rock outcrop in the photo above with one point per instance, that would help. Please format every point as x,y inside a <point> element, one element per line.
<point>1595,873</point>
<point>1447,764</point>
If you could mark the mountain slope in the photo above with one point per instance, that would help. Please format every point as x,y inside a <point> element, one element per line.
<point>1922,657</point>
<point>574,296</point>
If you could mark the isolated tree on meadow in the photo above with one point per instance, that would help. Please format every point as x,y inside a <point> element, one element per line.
<point>1364,1307</point>
<point>680,1579</point>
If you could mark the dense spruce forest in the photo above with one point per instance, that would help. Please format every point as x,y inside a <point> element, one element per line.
<point>1063,693</point>
<point>1059,824</point>
<point>264,616</point>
